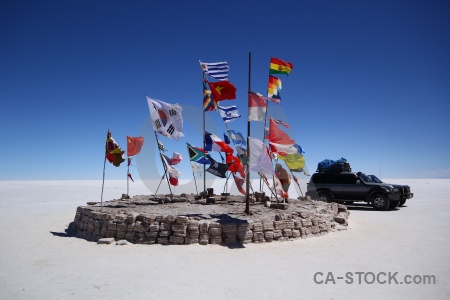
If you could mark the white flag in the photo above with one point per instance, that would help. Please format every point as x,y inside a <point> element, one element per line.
<point>166,118</point>
<point>259,160</point>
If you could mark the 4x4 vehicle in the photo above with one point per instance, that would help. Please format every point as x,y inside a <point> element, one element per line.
<point>405,189</point>
<point>350,187</point>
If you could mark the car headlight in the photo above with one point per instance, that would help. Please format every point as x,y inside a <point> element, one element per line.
<point>395,190</point>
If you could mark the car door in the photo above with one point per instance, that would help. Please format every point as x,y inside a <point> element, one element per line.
<point>352,189</point>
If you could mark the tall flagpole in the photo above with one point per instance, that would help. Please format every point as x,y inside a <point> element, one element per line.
<point>104,167</point>
<point>247,183</point>
<point>204,142</point>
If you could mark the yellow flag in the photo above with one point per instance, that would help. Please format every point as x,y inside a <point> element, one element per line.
<point>293,161</point>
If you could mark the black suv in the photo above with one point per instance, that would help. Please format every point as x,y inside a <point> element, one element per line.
<point>350,187</point>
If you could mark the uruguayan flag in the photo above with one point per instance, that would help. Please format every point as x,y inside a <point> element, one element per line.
<point>228,113</point>
<point>218,70</point>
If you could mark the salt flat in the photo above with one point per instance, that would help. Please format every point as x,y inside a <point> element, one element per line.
<point>38,261</point>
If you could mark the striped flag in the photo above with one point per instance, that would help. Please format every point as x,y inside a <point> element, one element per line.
<point>228,113</point>
<point>256,107</point>
<point>274,89</point>
<point>282,123</point>
<point>218,70</point>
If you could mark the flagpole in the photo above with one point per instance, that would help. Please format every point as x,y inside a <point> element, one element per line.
<point>104,167</point>
<point>247,183</point>
<point>195,181</point>
<point>164,165</point>
<point>204,143</point>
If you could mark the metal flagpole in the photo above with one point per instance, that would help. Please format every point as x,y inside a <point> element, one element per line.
<point>204,143</point>
<point>247,183</point>
<point>104,166</point>
<point>195,181</point>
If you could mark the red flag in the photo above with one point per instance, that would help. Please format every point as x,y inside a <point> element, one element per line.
<point>239,184</point>
<point>276,135</point>
<point>129,175</point>
<point>222,90</point>
<point>235,164</point>
<point>134,145</point>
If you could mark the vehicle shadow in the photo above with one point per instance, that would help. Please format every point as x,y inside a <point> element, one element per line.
<point>366,207</point>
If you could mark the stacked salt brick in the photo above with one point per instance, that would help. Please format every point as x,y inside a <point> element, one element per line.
<point>151,229</point>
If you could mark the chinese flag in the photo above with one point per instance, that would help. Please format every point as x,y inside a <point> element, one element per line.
<point>134,145</point>
<point>222,90</point>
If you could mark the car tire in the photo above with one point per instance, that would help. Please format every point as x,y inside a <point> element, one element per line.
<point>394,204</point>
<point>402,202</point>
<point>380,202</point>
<point>324,197</point>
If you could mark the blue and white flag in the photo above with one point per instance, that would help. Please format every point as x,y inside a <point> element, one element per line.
<point>237,138</point>
<point>228,113</point>
<point>218,70</point>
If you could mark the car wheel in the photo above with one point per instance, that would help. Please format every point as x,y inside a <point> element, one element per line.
<point>324,197</point>
<point>402,202</point>
<point>393,204</point>
<point>380,202</point>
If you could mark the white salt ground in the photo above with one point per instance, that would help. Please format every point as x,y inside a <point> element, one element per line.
<point>37,260</point>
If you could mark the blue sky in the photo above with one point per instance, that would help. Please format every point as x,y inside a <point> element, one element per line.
<point>371,80</point>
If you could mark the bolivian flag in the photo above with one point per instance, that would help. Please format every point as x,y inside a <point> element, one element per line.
<point>278,66</point>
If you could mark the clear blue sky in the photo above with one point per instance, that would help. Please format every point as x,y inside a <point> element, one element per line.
<point>371,80</point>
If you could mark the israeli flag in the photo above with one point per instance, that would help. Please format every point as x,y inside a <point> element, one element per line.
<point>237,138</point>
<point>228,113</point>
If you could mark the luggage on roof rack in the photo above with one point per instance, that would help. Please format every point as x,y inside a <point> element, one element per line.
<point>333,166</point>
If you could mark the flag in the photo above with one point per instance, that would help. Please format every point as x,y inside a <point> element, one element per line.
<point>114,153</point>
<point>217,169</point>
<point>276,135</point>
<point>282,123</point>
<point>134,145</point>
<point>274,89</point>
<point>209,104</point>
<point>196,155</point>
<point>218,70</point>
<point>256,107</point>
<point>295,162</point>
<point>166,118</point>
<point>222,90</point>
<point>235,164</point>
<point>277,66</point>
<point>279,188</point>
<point>282,149</point>
<point>237,138</point>
<point>242,153</point>
<point>196,168</point>
<point>161,146</point>
<point>129,175</point>
<point>174,174</point>
<point>259,160</point>
<point>129,161</point>
<point>239,184</point>
<point>213,143</point>
<point>176,158</point>
<point>228,113</point>
<point>226,139</point>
